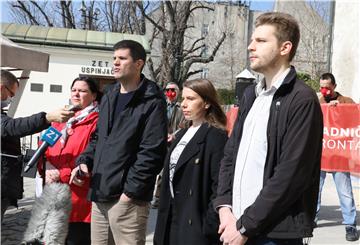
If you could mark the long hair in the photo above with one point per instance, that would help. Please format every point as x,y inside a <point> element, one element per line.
<point>215,115</point>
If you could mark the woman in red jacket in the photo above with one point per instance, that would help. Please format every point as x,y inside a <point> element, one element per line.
<point>60,159</point>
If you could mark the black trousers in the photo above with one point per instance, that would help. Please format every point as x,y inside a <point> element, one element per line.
<point>79,234</point>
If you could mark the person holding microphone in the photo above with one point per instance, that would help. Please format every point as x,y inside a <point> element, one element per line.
<point>12,129</point>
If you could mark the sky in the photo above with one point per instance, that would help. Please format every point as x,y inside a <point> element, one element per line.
<point>4,10</point>
<point>263,5</point>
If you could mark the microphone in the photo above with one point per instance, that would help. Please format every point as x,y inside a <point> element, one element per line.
<point>49,138</point>
<point>74,108</point>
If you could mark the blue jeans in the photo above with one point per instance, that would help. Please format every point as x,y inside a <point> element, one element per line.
<point>344,189</point>
<point>270,241</point>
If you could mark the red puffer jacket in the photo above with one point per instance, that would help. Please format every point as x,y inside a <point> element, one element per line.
<point>64,160</point>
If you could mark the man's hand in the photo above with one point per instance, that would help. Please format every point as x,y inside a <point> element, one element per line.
<point>333,102</point>
<point>74,178</point>
<point>229,233</point>
<point>60,115</point>
<point>125,198</point>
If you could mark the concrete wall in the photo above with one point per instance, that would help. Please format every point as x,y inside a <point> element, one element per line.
<point>64,66</point>
<point>345,56</point>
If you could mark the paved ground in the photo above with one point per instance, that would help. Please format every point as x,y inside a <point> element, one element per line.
<point>329,231</point>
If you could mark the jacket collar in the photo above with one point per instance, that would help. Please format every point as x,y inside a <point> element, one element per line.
<point>288,83</point>
<point>193,147</point>
<point>146,89</point>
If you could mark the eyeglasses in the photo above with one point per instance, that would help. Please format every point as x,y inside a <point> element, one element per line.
<point>170,89</point>
<point>12,94</point>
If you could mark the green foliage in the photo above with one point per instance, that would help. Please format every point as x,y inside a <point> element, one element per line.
<point>313,83</point>
<point>227,96</point>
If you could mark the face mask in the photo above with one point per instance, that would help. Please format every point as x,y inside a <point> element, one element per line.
<point>325,92</point>
<point>171,94</point>
<point>5,103</point>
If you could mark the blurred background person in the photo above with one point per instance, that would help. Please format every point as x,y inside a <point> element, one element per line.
<point>342,179</point>
<point>175,117</point>
<point>174,113</point>
<point>190,174</point>
<point>12,129</point>
<point>60,159</point>
<point>327,92</point>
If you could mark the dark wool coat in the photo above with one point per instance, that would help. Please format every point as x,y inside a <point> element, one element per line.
<point>195,183</point>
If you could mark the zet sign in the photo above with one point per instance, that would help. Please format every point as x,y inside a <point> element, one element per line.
<point>98,67</point>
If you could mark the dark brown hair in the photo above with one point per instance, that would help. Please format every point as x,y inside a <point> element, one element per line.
<point>328,76</point>
<point>93,85</point>
<point>215,115</point>
<point>287,28</point>
<point>137,51</point>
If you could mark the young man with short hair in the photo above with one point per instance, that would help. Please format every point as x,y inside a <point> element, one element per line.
<point>127,151</point>
<point>269,176</point>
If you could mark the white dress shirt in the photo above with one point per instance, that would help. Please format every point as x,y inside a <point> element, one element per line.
<point>251,156</point>
<point>176,153</point>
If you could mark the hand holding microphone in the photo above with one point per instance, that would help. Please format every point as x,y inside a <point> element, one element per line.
<point>51,135</point>
<point>63,114</point>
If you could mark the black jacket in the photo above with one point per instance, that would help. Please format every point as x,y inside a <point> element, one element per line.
<point>126,154</point>
<point>195,183</point>
<point>285,207</point>
<point>11,132</point>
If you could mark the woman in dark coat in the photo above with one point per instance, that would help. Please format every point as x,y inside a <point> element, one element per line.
<point>185,214</point>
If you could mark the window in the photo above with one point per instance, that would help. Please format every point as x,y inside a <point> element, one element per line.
<point>36,87</point>
<point>204,51</point>
<point>55,88</point>
<point>205,73</point>
<point>204,30</point>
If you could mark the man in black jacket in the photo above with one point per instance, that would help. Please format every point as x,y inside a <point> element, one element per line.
<point>12,129</point>
<point>269,176</point>
<point>127,151</point>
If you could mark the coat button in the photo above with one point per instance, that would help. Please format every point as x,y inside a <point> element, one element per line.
<point>190,192</point>
<point>197,161</point>
<point>190,222</point>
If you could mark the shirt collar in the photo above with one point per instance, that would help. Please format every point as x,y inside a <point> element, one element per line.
<point>260,87</point>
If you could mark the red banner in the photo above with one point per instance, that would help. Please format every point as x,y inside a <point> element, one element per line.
<point>341,141</point>
<point>231,116</point>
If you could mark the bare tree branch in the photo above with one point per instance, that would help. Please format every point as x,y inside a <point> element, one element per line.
<point>192,48</point>
<point>27,12</point>
<point>189,62</point>
<point>201,7</point>
<point>191,73</point>
<point>162,29</point>
<point>43,13</point>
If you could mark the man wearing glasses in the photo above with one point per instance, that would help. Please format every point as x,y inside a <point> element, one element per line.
<point>11,132</point>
